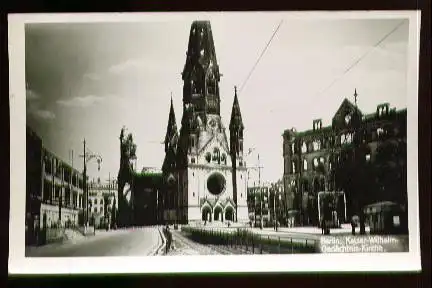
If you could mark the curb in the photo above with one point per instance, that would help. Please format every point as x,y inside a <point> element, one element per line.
<point>161,249</point>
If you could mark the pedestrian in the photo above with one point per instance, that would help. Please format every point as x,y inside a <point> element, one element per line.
<point>353,225</point>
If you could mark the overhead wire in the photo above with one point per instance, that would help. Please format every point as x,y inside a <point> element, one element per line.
<point>261,55</point>
<point>363,56</point>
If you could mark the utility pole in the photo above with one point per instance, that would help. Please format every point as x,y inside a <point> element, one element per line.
<point>85,189</point>
<point>357,141</point>
<point>85,159</point>
<point>178,199</point>
<point>261,193</point>
<point>300,189</point>
<point>274,207</point>
<point>71,180</point>
<point>109,195</point>
<point>60,192</point>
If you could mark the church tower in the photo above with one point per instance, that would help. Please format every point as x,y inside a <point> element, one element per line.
<point>203,154</point>
<point>169,169</point>
<point>236,128</point>
<point>171,141</point>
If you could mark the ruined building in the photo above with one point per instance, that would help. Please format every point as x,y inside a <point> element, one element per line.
<point>312,156</point>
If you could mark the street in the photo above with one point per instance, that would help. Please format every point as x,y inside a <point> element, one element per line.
<point>140,241</point>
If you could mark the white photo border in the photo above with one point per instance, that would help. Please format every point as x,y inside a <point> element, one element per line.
<point>19,264</point>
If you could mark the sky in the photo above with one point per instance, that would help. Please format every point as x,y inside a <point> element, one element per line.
<point>87,80</point>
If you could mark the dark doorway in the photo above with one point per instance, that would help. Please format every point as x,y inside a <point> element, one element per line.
<point>229,213</point>
<point>218,214</point>
<point>206,214</point>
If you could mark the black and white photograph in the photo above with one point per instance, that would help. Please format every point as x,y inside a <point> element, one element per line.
<point>251,135</point>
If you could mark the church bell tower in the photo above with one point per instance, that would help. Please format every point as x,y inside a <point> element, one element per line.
<point>204,167</point>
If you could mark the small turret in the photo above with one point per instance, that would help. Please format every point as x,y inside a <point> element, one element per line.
<point>171,142</point>
<point>236,128</point>
<point>171,133</point>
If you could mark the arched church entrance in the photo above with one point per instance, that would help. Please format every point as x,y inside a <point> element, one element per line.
<point>229,213</point>
<point>206,214</point>
<point>218,215</point>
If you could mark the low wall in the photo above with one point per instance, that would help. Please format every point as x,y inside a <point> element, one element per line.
<point>242,238</point>
<point>52,215</point>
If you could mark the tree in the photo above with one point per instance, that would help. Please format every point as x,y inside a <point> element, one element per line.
<point>354,175</point>
<point>390,164</point>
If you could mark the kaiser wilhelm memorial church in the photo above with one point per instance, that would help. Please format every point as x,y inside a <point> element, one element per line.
<point>204,174</point>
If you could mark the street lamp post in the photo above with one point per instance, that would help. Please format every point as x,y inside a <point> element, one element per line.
<point>274,208</point>
<point>261,195</point>
<point>260,189</point>
<point>87,156</point>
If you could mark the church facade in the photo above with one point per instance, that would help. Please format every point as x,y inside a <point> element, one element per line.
<point>204,172</point>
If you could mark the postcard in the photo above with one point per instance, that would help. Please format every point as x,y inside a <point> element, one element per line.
<point>214,142</point>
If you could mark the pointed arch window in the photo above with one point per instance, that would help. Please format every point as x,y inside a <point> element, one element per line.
<point>315,162</point>
<point>211,83</point>
<point>216,155</point>
<point>292,148</point>
<point>224,159</point>
<point>316,145</point>
<point>192,142</point>
<point>304,147</point>
<point>380,132</point>
<point>208,157</point>
<point>293,166</point>
<point>305,165</point>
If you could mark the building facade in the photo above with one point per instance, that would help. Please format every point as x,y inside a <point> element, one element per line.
<point>103,202</point>
<point>258,199</point>
<point>54,188</point>
<point>205,174</point>
<point>268,198</point>
<point>313,159</point>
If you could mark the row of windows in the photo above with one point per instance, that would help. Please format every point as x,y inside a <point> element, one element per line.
<point>216,157</point>
<point>54,167</point>
<point>317,162</point>
<point>52,193</point>
<point>101,201</point>
<point>312,185</point>
<point>212,88</point>
<point>380,133</point>
<point>95,209</point>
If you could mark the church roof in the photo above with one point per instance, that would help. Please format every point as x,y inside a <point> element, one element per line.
<point>215,202</point>
<point>214,138</point>
<point>171,127</point>
<point>201,50</point>
<point>236,118</point>
<point>345,106</point>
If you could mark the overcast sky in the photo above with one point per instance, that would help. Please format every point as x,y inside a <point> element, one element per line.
<point>88,80</point>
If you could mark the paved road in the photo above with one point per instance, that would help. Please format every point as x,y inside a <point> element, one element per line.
<point>129,242</point>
